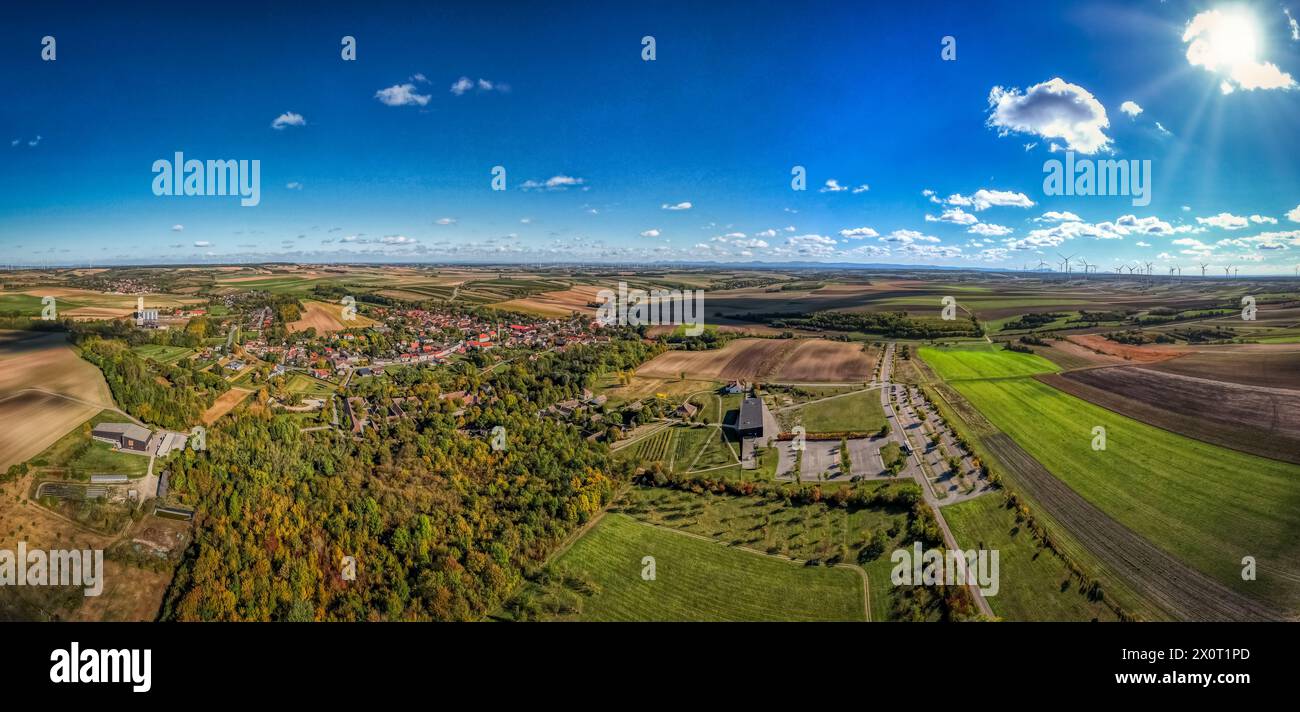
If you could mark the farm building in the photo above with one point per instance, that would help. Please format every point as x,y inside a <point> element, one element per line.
<point>108,479</point>
<point>687,410</point>
<point>124,436</point>
<point>750,423</point>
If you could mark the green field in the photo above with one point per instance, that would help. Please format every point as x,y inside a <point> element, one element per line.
<point>1036,585</point>
<point>812,532</point>
<point>1208,505</point>
<point>163,354</point>
<point>24,304</point>
<point>859,412</point>
<point>984,361</point>
<point>83,456</point>
<point>309,386</point>
<point>695,580</point>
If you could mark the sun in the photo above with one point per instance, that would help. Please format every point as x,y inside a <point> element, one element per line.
<point>1223,40</point>
<point>1234,41</point>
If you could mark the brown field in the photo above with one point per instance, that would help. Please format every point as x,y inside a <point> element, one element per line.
<point>326,318</point>
<point>744,359</point>
<point>224,403</point>
<point>1270,368</point>
<point>1069,355</point>
<point>560,303</point>
<point>1132,354</point>
<point>822,361</point>
<point>93,313</point>
<point>46,390</point>
<point>1253,419</point>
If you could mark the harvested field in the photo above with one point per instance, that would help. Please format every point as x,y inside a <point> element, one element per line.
<point>744,359</point>
<point>1069,355</point>
<point>225,403</point>
<point>822,361</point>
<point>36,371</point>
<point>34,420</point>
<point>326,318</point>
<point>93,313</point>
<point>1253,419</point>
<point>1252,367</point>
<point>560,303</point>
<point>30,359</point>
<point>1132,354</point>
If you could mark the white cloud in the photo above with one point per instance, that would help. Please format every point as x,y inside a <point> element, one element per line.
<point>293,185</point>
<point>1143,226</point>
<point>954,215</point>
<point>1263,219</point>
<point>809,246</point>
<point>445,221</point>
<point>1224,42</point>
<point>464,84</point>
<point>1053,109</point>
<point>989,230</point>
<point>769,233</point>
<point>832,186</point>
<point>1226,221</point>
<point>202,243</point>
<point>557,182</point>
<point>908,237</point>
<point>1294,214</point>
<point>652,232</point>
<point>858,233</point>
<point>177,227</point>
<point>397,240</point>
<point>930,195</point>
<point>684,205</point>
<point>288,118</point>
<point>751,243</point>
<point>861,189</point>
<point>984,199</point>
<point>1054,216</point>
<point>1131,108</point>
<point>402,95</point>
<point>1295,26</point>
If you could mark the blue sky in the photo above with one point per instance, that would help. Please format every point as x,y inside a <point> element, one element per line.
<point>392,156</point>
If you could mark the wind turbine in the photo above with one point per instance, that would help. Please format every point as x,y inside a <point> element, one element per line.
<point>1042,264</point>
<point>1067,261</point>
<point>1085,267</point>
<point>1227,271</point>
<point>1203,266</point>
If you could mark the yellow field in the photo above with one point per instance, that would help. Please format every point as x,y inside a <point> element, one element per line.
<point>326,318</point>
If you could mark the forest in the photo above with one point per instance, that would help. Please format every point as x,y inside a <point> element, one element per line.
<point>441,526</point>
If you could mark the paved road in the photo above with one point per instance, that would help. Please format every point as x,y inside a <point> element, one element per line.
<point>898,434</point>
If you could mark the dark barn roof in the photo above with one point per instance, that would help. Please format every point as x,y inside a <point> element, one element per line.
<point>751,414</point>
